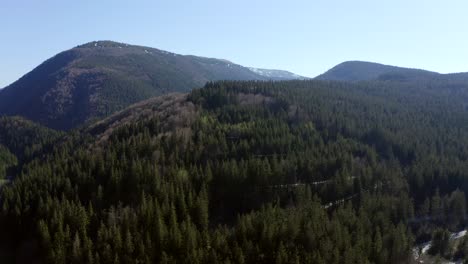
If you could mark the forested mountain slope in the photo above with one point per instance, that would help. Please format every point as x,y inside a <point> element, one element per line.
<point>250,172</point>
<point>366,71</point>
<point>22,140</point>
<point>98,78</point>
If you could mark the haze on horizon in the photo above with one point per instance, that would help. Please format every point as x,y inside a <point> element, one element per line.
<point>304,37</point>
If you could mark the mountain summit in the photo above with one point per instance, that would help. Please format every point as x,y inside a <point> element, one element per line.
<point>98,78</point>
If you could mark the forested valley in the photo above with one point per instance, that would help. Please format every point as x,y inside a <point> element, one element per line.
<point>245,172</point>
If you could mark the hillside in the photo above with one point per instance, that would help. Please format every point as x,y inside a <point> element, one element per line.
<point>23,137</point>
<point>174,111</point>
<point>251,172</point>
<point>366,71</point>
<point>96,79</point>
<point>21,141</point>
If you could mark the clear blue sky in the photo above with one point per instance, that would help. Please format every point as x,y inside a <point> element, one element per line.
<point>306,37</point>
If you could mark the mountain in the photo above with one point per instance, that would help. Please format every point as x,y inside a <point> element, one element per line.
<point>365,71</point>
<point>96,79</point>
<point>277,74</point>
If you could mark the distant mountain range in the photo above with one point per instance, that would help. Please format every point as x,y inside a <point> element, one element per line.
<point>98,78</point>
<point>94,80</point>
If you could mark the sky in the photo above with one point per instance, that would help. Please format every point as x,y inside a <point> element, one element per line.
<point>306,37</point>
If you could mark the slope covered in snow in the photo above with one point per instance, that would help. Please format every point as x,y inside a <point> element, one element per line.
<point>277,74</point>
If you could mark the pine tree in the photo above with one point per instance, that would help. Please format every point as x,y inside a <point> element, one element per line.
<point>76,250</point>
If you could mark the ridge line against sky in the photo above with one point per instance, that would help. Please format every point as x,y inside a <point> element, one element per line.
<point>304,37</point>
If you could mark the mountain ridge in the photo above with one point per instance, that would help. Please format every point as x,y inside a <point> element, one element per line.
<point>356,70</point>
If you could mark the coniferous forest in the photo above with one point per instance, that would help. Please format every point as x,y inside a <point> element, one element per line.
<point>244,172</point>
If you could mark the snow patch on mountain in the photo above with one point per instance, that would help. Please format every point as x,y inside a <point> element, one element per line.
<point>277,74</point>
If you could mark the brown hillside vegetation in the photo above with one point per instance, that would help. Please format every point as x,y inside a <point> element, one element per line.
<point>173,110</point>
